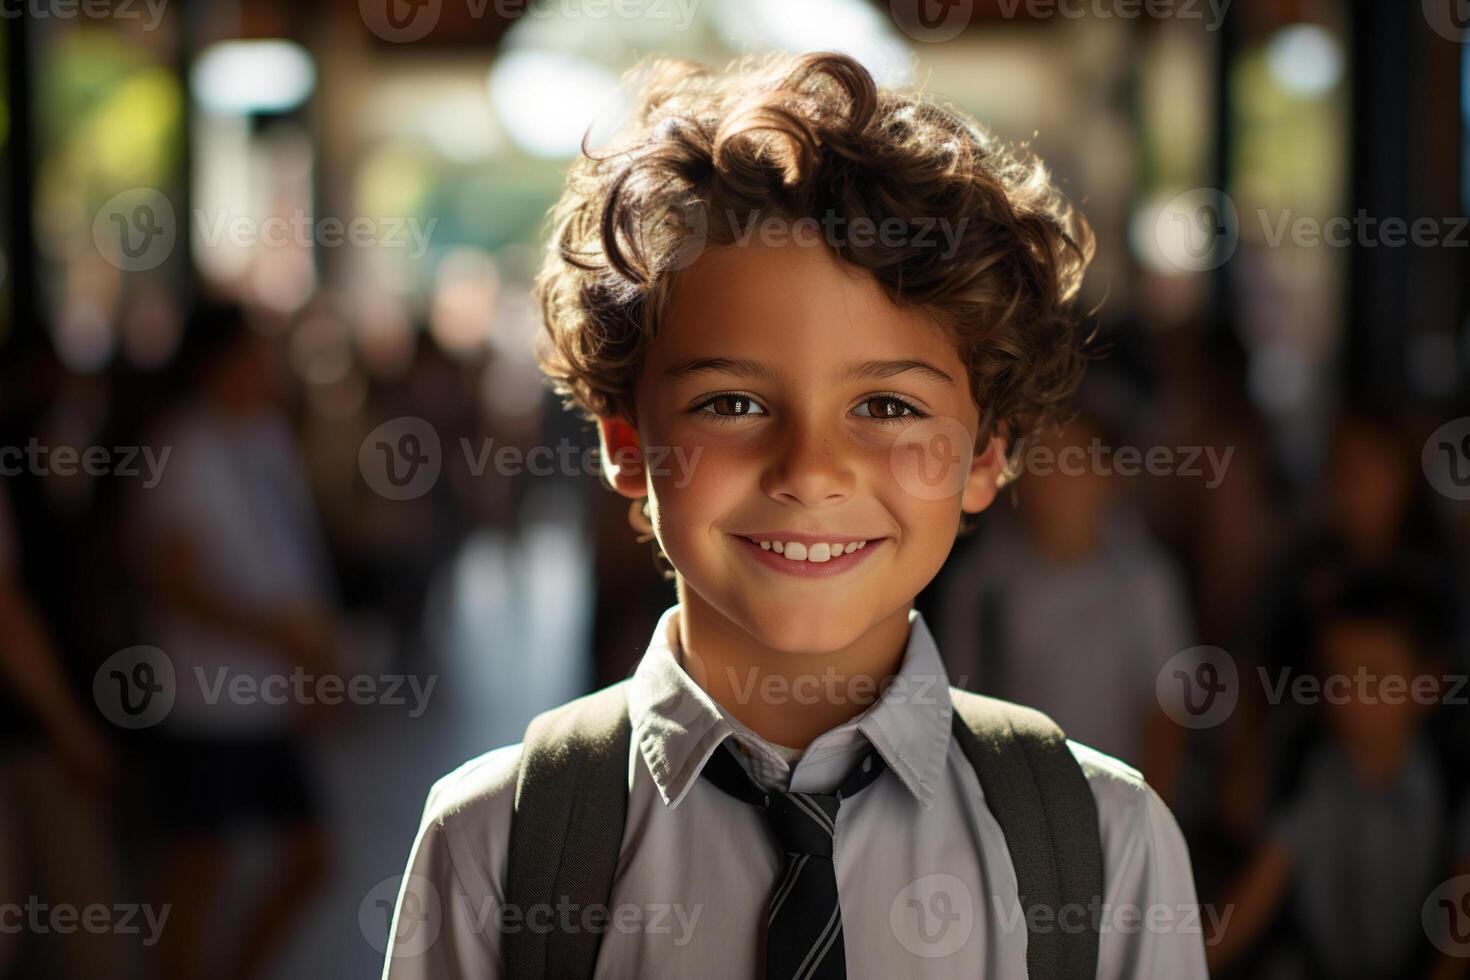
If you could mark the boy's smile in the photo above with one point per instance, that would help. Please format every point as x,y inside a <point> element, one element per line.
<point>807,554</point>
<point>793,375</point>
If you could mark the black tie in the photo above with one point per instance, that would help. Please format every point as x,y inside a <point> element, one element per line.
<point>804,922</point>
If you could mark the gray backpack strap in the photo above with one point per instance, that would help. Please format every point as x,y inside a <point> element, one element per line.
<point>566,831</point>
<point>1040,797</point>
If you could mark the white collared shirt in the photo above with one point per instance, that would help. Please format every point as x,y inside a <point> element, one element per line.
<point>925,880</point>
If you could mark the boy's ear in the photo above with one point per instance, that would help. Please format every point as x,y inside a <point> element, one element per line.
<point>622,456</point>
<point>984,481</point>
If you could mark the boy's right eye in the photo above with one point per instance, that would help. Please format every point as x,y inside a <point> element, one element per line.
<point>729,405</point>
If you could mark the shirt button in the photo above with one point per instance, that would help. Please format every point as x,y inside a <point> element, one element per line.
<point>868,764</point>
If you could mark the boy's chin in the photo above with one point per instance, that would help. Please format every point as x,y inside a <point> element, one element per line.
<point>799,626</point>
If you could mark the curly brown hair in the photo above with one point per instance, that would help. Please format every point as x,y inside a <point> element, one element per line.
<point>800,137</point>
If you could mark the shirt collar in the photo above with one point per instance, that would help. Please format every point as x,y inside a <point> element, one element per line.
<point>677,725</point>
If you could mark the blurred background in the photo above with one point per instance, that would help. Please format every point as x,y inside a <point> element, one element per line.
<point>267,398</point>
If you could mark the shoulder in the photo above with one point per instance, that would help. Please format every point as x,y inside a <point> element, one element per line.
<point>1119,789</point>
<point>466,821</point>
<point>476,791</point>
<point>1141,840</point>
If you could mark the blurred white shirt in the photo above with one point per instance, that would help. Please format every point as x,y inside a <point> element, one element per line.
<point>926,883</point>
<point>1083,642</point>
<point>237,489</point>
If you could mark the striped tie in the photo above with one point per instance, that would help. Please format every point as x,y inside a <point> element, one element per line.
<point>804,924</point>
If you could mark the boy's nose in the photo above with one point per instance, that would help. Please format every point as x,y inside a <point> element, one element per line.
<point>809,467</point>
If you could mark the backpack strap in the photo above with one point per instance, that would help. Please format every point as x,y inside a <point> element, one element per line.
<point>567,830</point>
<point>572,801</point>
<point>1040,797</point>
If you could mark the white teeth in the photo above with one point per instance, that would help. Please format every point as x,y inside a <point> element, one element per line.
<point>819,552</point>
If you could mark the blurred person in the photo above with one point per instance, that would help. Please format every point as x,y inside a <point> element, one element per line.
<point>1073,607</point>
<point>56,771</point>
<point>237,592</point>
<point>1363,837</point>
<point>1454,964</point>
<point>1372,517</point>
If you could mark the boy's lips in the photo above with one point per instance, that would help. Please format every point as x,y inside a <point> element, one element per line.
<point>813,546</point>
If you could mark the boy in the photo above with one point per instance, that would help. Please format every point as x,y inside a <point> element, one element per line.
<point>1349,861</point>
<point>787,786</point>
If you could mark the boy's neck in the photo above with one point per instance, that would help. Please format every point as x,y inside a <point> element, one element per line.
<point>786,698</point>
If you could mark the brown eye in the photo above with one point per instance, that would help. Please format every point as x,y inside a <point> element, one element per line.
<point>731,406</point>
<point>885,408</point>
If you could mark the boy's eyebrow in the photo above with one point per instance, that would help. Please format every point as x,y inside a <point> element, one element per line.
<point>862,371</point>
<point>877,370</point>
<point>742,366</point>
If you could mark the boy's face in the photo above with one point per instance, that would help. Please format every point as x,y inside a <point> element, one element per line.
<point>805,407</point>
<point>1374,651</point>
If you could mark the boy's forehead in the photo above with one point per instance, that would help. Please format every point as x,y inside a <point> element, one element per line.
<point>789,302</point>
